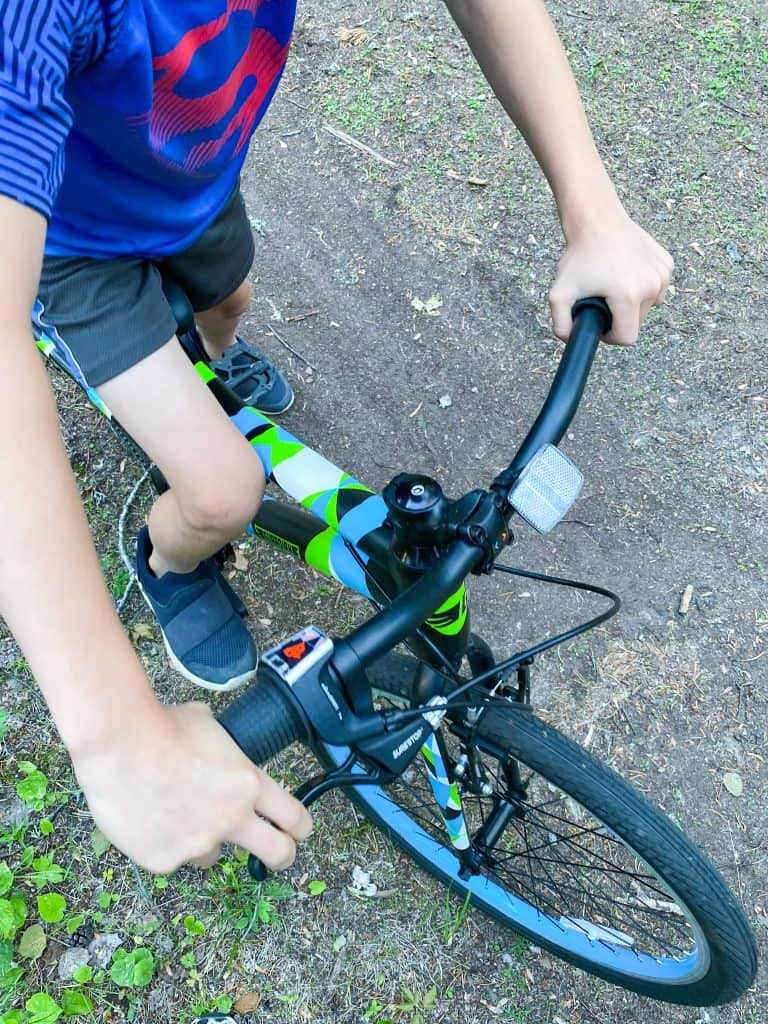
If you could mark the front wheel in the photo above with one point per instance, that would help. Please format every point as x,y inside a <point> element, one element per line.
<point>568,854</point>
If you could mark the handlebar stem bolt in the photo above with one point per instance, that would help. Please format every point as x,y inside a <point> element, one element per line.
<point>417,490</point>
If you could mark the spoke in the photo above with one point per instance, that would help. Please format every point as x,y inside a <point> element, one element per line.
<point>603,863</point>
<point>558,859</point>
<point>631,925</point>
<point>621,906</point>
<point>597,831</point>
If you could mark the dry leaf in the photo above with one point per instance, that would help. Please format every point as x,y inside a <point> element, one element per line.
<point>99,843</point>
<point>241,562</point>
<point>733,783</point>
<point>247,1002</point>
<point>141,631</point>
<point>355,36</point>
<point>431,307</point>
<point>32,943</point>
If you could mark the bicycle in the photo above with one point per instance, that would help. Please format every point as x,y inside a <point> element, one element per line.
<point>439,746</point>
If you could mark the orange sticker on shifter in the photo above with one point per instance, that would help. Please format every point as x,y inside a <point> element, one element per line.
<point>295,652</point>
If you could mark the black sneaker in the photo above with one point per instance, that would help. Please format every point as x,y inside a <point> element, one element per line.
<point>205,638</point>
<point>253,378</point>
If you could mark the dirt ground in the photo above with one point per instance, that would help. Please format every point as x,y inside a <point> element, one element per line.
<point>672,439</point>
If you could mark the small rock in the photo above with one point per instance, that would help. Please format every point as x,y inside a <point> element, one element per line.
<point>13,812</point>
<point>71,961</point>
<point>733,252</point>
<point>445,401</point>
<point>685,600</point>
<point>735,749</point>
<point>361,882</point>
<point>103,946</point>
<point>164,944</point>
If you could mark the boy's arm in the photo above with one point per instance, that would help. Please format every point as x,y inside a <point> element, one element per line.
<point>607,254</point>
<point>166,784</point>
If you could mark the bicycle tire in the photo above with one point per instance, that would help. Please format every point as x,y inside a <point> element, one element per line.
<point>719,968</point>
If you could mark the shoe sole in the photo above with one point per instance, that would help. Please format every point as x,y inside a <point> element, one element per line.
<point>232,684</point>
<point>280,412</point>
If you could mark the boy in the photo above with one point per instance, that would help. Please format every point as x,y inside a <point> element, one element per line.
<point>123,128</point>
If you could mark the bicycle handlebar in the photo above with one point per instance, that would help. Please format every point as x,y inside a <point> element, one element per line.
<point>591,320</point>
<point>263,721</point>
<point>267,717</point>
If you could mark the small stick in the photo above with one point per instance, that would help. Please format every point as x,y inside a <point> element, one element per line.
<point>301,316</point>
<point>350,140</point>
<point>129,565</point>
<point>685,600</point>
<point>140,881</point>
<point>283,342</point>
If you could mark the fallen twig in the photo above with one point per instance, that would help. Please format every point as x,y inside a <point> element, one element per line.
<point>301,316</point>
<point>127,562</point>
<point>290,348</point>
<point>350,140</point>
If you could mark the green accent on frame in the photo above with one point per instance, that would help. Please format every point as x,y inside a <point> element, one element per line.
<point>454,798</point>
<point>281,450</point>
<point>205,371</point>
<point>450,617</point>
<point>331,514</point>
<point>318,553</point>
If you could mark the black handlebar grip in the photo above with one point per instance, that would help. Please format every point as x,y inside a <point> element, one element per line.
<point>600,306</point>
<point>264,720</point>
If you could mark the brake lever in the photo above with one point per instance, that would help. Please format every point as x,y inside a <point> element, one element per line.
<point>311,790</point>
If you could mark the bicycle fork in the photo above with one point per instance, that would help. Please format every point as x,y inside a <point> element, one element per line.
<point>475,851</point>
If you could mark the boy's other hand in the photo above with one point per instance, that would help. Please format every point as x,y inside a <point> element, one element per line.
<point>171,789</point>
<point>614,258</point>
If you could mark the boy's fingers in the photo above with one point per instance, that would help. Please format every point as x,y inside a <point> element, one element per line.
<point>276,849</point>
<point>208,859</point>
<point>275,803</point>
<point>626,322</point>
<point>562,322</point>
<point>645,309</point>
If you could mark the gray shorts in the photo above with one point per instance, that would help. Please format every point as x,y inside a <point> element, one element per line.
<point>104,316</point>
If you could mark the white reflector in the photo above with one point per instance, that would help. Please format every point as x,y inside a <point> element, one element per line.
<point>546,489</point>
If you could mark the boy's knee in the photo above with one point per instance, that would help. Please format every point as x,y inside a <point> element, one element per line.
<point>235,305</point>
<point>224,504</point>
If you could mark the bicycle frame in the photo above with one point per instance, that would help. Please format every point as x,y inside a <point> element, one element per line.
<point>339,528</point>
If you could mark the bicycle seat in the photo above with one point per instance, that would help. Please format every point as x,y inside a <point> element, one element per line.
<point>180,305</point>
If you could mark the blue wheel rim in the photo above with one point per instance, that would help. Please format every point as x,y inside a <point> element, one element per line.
<point>523,916</point>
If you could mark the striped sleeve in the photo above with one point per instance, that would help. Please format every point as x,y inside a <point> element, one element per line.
<point>41,43</point>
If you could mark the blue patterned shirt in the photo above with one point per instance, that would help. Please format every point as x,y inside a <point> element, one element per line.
<point>126,122</point>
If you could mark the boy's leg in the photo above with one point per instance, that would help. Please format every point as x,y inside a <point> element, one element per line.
<point>110,322</point>
<point>216,484</point>
<point>213,272</point>
<point>218,326</point>
<point>215,481</point>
